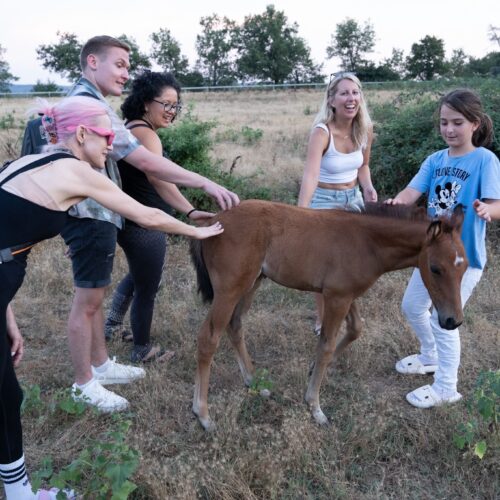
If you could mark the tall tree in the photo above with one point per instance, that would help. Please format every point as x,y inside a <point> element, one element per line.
<point>494,34</point>
<point>487,65</point>
<point>426,59</point>
<point>350,43</point>
<point>216,50</point>
<point>138,60</point>
<point>62,57</point>
<point>6,77</point>
<point>457,65</point>
<point>269,48</point>
<point>395,63</point>
<point>166,52</point>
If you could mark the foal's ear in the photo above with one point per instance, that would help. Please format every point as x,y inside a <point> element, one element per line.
<point>457,218</point>
<point>434,230</point>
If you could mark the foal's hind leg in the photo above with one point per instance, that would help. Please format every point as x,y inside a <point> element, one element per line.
<point>353,331</point>
<point>237,336</point>
<point>335,312</point>
<point>208,341</point>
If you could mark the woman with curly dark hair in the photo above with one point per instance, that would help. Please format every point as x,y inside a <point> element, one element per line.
<point>153,103</point>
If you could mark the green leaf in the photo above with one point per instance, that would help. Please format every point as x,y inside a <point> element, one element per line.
<point>459,441</point>
<point>124,491</point>
<point>480,449</point>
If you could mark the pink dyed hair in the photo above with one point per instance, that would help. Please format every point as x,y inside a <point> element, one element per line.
<point>63,117</point>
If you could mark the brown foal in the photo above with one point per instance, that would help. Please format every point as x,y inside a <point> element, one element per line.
<point>336,253</point>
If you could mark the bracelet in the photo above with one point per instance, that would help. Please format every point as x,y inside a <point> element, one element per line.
<point>191,211</point>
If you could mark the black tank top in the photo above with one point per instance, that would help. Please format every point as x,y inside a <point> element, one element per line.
<point>136,184</point>
<point>21,220</point>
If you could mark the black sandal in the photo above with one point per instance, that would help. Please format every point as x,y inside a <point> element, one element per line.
<point>127,336</point>
<point>141,354</point>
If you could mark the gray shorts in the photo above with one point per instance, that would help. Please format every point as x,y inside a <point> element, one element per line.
<point>345,199</point>
<point>92,246</point>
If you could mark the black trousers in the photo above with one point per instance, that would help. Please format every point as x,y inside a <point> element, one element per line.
<point>11,396</point>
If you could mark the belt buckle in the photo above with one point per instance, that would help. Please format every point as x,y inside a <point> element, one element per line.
<point>5,255</point>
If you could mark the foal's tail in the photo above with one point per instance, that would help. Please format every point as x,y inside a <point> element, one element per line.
<point>204,283</point>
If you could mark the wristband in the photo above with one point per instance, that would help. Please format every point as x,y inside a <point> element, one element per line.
<point>191,211</point>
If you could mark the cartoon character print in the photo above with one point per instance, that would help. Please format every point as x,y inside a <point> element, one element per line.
<point>446,198</point>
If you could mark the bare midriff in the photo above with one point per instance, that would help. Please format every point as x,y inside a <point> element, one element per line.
<point>341,186</point>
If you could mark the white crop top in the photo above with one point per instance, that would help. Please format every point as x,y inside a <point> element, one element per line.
<point>336,167</point>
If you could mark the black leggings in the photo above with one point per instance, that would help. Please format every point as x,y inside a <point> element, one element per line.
<point>11,396</point>
<point>145,251</point>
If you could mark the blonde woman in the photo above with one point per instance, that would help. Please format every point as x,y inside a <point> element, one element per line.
<point>338,155</point>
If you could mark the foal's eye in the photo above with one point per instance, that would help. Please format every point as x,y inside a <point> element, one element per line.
<point>435,270</point>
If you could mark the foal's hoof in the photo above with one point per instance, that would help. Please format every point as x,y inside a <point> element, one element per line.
<point>319,417</point>
<point>206,422</point>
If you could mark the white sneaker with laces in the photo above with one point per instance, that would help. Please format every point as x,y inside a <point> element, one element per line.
<point>117,373</point>
<point>96,395</point>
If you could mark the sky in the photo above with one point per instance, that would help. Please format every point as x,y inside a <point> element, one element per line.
<point>398,24</point>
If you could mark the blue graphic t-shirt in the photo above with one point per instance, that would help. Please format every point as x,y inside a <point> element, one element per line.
<point>448,181</point>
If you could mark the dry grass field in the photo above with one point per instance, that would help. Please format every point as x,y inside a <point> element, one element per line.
<point>376,447</point>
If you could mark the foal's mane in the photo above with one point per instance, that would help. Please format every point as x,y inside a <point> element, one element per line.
<point>402,212</point>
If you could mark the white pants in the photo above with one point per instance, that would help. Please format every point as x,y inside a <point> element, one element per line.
<point>437,345</point>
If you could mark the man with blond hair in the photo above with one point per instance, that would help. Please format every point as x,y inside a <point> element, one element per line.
<point>91,231</point>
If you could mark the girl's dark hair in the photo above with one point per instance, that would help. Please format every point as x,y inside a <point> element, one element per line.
<point>146,87</point>
<point>468,103</point>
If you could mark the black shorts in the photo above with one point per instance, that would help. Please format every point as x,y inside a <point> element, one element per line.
<point>92,246</point>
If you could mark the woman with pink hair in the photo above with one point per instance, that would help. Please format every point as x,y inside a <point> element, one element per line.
<point>36,191</point>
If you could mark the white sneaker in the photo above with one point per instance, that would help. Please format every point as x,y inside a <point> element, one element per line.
<point>96,395</point>
<point>118,374</point>
<point>53,493</point>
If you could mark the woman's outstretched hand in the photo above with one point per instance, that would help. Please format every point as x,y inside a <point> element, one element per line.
<point>208,231</point>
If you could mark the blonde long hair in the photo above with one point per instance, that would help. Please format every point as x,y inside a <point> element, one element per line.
<point>362,121</point>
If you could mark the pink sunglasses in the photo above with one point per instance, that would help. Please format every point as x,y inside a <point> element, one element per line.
<point>107,133</point>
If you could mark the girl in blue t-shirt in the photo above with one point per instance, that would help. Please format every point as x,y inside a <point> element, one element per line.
<point>465,173</point>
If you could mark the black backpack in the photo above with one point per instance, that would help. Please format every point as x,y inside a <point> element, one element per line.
<point>35,136</point>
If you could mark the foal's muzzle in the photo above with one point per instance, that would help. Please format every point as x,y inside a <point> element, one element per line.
<point>449,323</point>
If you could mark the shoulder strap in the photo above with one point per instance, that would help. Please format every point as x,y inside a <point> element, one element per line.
<point>135,125</point>
<point>38,163</point>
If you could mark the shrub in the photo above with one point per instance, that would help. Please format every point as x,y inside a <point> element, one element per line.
<point>101,471</point>
<point>247,136</point>
<point>189,143</point>
<point>485,403</point>
<point>7,121</point>
<point>251,135</point>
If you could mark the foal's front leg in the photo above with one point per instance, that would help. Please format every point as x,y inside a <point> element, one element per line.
<point>334,313</point>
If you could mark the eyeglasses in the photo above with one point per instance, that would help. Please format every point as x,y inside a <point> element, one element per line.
<point>107,133</point>
<point>168,107</point>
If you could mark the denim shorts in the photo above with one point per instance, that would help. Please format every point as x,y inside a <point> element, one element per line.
<point>345,199</point>
<point>92,246</point>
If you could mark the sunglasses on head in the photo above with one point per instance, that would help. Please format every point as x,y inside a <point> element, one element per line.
<point>107,133</point>
<point>340,74</point>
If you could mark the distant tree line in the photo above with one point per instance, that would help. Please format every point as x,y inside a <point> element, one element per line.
<point>266,48</point>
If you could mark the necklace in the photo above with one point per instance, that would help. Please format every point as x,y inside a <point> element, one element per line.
<point>343,137</point>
